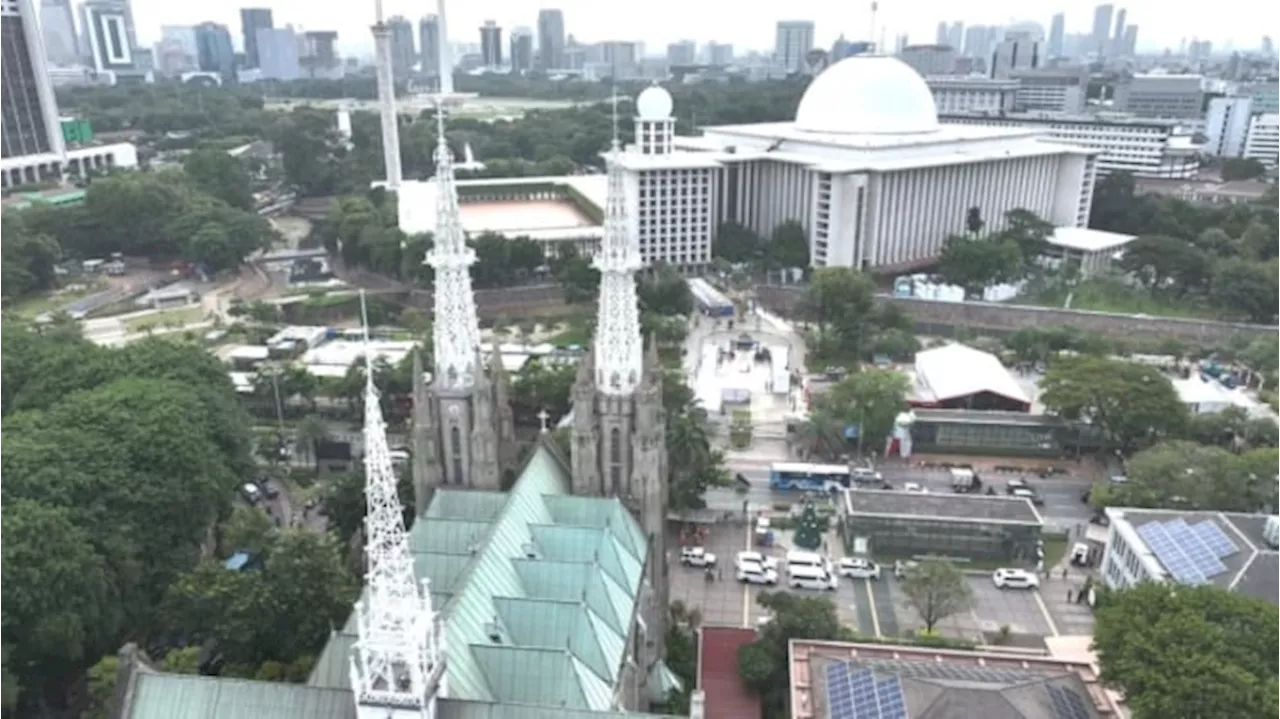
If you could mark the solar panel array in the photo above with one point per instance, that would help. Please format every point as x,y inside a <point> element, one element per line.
<point>857,694</point>
<point>1067,704</point>
<point>1192,554</point>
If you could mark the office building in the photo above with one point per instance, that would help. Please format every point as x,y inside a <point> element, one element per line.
<point>1265,95</point>
<point>792,42</point>
<point>1101,35</point>
<point>1014,55</point>
<point>1116,47</point>
<point>1262,141</point>
<point>214,51</point>
<point>403,54</point>
<point>429,45</point>
<point>491,44</point>
<point>31,128</point>
<point>253,19</point>
<point>979,41</point>
<point>1141,147</point>
<point>107,26</point>
<point>619,59</point>
<point>1060,90</point>
<point>930,60</point>
<point>319,55</point>
<point>551,40</point>
<point>972,94</point>
<point>940,37</point>
<point>1236,552</point>
<point>719,54</point>
<point>58,26</point>
<point>1161,96</point>
<point>1057,33</point>
<point>684,52</point>
<point>521,50</point>
<point>278,54</point>
<point>955,36</point>
<point>1130,41</point>
<point>1227,125</point>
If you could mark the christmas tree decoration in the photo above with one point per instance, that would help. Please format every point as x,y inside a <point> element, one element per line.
<point>808,534</point>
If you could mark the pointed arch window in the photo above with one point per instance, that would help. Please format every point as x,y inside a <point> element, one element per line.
<point>455,452</point>
<point>615,460</point>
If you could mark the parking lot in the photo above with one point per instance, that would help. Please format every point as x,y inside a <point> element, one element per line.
<point>879,607</point>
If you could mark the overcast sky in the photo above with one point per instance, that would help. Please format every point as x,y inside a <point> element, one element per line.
<point>748,25</point>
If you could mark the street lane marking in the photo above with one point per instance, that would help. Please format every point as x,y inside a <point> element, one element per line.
<point>871,602</point>
<point>1044,610</point>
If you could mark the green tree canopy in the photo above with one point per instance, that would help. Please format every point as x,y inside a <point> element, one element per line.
<point>764,665</point>
<point>936,590</point>
<point>1194,476</point>
<point>220,175</point>
<point>1134,405</point>
<point>976,263</point>
<point>1180,651</point>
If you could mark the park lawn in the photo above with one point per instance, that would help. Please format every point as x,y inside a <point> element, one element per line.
<point>1107,295</point>
<point>575,332</point>
<point>36,305</point>
<point>176,317</point>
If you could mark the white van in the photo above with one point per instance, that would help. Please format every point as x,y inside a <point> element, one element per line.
<point>802,577</point>
<point>806,559</point>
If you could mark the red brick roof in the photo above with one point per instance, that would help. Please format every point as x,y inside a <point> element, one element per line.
<point>727,697</point>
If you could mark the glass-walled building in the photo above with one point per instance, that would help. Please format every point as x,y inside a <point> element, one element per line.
<point>899,525</point>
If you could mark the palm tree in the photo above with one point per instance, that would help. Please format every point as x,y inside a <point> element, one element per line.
<point>687,443</point>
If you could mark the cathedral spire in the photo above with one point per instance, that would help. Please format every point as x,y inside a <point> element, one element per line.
<point>456,329</point>
<point>619,350</point>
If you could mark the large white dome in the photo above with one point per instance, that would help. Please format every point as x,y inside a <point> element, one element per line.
<point>868,95</point>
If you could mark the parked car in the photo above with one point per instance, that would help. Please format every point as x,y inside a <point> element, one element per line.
<point>755,558</point>
<point>914,487</point>
<point>858,568</point>
<point>900,568</point>
<point>1080,554</point>
<point>1030,494</point>
<point>754,573</point>
<point>251,492</point>
<point>697,557</point>
<point>269,488</point>
<point>1015,579</point>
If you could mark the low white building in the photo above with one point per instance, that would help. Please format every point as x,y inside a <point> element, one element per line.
<point>956,376</point>
<point>1087,252</point>
<point>972,94</point>
<point>1262,143</point>
<point>1142,147</point>
<point>75,162</point>
<point>1203,395</point>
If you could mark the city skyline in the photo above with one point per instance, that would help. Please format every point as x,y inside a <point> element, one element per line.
<point>711,21</point>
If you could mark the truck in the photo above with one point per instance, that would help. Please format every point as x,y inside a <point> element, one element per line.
<point>964,480</point>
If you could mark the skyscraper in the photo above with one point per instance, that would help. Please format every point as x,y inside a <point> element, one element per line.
<point>30,114</point>
<point>941,36</point>
<point>1116,47</point>
<point>278,54</point>
<point>491,44</point>
<point>1101,29</point>
<point>1057,33</point>
<point>214,50</point>
<point>109,38</point>
<point>955,37</point>
<point>403,53</point>
<point>684,52</point>
<point>253,19</point>
<point>429,44</point>
<point>61,43</point>
<point>792,42</point>
<point>1131,41</point>
<point>550,39</point>
<point>521,50</point>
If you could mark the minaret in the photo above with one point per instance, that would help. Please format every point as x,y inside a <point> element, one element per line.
<point>467,432</point>
<point>619,354</point>
<point>398,660</point>
<point>445,50</point>
<point>387,100</point>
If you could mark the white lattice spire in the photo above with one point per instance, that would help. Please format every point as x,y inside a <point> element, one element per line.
<point>397,659</point>
<point>456,328</point>
<point>619,351</point>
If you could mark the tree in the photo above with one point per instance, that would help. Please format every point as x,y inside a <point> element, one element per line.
<point>975,264</point>
<point>1133,405</point>
<point>342,496</point>
<point>542,387</point>
<point>221,175</point>
<point>1247,288</point>
<point>1193,476</point>
<point>789,245</point>
<point>764,665</point>
<point>248,529</point>
<point>936,590</point>
<point>1029,234</point>
<point>973,222</point>
<point>869,400</point>
<point>311,432</point>
<point>1242,168</point>
<point>1179,651</point>
<point>841,302</point>
<point>737,244</point>
<point>665,292</point>
<point>808,534</point>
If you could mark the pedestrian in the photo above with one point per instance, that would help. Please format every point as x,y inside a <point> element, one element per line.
<point>720,573</point>
<point>1064,572</point>
<point>1068,595</point>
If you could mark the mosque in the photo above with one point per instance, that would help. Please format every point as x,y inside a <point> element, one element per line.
<point>866,167</point>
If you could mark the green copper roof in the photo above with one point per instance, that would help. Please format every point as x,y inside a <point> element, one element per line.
<point>460,504</point>
<point>182,696</point>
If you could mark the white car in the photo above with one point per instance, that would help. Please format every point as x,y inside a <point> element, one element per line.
<point>753,573</point>
<point>914,487</point>
<point>755,558</point>
<point>859,568</point>
<point>900,568</point>
<point>697,557</point>
<point>1015,579</point>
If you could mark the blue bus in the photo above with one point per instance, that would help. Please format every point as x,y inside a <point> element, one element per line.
<point>809,477</point>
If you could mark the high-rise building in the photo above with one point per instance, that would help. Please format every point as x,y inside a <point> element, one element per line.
<point>30,127</point>
<point>253,19</point>
<point>429,44</point>
<point>58,25</point>
<point>1057,33</point>
<point>278,54</point>
<point>955,36</point>
<point>319,56</point>
<point>1013,55</point>
<point>214,50</point>
<point>521,50</point>
<point>684,52</point>
<point>1101,29</point>
<point>940,38</point>
<point>108,29</point>
<point>1116,48</point>
<point>719,54</point>
<point>403,54</point>
<point>491,44</point>
<point>551,39</point>
<point>792,43</point>
<point>1131,40</point>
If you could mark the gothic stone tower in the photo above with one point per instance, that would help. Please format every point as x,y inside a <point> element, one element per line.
<point>619,435</point>
<point>462,420</point>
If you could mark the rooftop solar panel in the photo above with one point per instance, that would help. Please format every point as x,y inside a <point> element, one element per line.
<point>863,683</point>
<point>1214,538</point>
<point>893,705</point>
<point>1174,559</point>
<point>1201,556</point>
